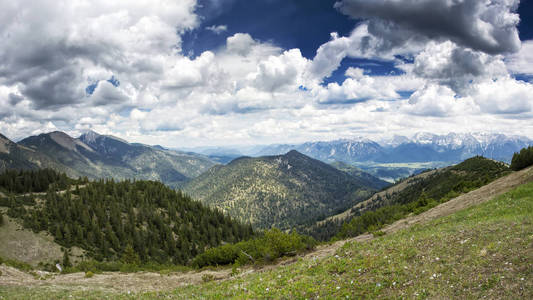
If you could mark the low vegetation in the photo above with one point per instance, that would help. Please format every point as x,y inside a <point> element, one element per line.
<point>16,264</point>
<point>272,245</point>
<point>522,159</point>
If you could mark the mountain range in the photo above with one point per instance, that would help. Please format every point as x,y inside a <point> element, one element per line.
<point>422,147</point>
<point>101,156</point>
<point>282,190</point>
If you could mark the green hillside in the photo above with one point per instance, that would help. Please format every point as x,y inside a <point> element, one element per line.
<point>143,219</point>
<point>484,251</point>
<point>423,192</point>
<point>281,191</point>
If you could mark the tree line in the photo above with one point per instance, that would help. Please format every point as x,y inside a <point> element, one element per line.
<point>34,181</point>
<point>522,159</point>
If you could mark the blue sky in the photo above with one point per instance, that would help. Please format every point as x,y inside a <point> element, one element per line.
<point>289,24</point>
<point>222,72</point>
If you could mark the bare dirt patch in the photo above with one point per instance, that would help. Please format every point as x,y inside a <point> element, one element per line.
<point>108,281</point>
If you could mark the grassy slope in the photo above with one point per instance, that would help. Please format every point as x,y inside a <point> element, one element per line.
<point>485,250</point>
<point>25,245</point>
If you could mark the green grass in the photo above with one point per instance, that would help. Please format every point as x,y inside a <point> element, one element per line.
<point>484,251</point>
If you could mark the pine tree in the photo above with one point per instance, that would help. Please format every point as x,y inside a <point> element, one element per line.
<point>129,256</point>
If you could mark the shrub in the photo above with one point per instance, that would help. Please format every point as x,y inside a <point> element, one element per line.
<point>89,274</point>
<point>208,277</point>
<point>272,245</point>
<point>378,233</point>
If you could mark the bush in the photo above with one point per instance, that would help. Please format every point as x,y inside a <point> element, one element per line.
<point>208,277</point>
<point>272,245</point>
<point>378,233</point>
<point>89,274</point>
<point>523,159</point>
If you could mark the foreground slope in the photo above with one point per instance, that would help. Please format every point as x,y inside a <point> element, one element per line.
<point>280,191</point>
<point>469,252</point>
<point>412,195</point>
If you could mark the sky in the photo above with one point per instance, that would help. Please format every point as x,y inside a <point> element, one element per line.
<point>232,72</point>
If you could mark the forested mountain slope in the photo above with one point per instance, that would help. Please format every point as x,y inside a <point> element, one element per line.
<point>281,191</point>
<point>105,218</point>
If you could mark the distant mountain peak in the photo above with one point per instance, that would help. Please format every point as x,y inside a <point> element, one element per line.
<point>89,136</point>
<point>66,141</point>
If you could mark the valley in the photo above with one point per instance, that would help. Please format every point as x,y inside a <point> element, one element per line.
<point>468,229</point>
<point>116,237</point>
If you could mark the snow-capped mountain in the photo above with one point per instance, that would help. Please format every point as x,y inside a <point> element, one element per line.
<point>459,146</point>
<point>421,147</point>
